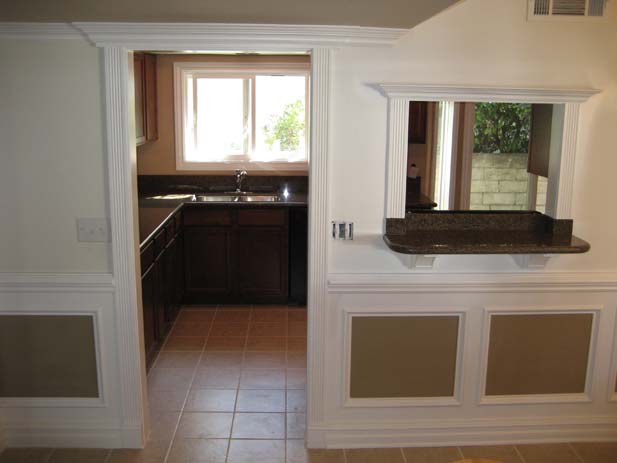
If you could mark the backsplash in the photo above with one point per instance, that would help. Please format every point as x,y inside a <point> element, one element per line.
<point>150,184</point>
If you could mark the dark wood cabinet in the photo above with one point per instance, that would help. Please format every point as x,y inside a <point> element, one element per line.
<point>241,257</point>
<point>146,123</point>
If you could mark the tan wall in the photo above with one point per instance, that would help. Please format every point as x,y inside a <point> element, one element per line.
<point>158,157</point>
<point>47,356</point>
<point>403,356</point>
<point>538,354</point>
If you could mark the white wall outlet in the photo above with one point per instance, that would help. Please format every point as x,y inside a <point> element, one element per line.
<point>93,230</point>
<point>342,230</point>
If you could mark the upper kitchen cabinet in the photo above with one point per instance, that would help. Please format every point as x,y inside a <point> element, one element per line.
<point>146,125</point>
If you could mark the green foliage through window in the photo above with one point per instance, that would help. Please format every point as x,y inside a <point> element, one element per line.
<point>287,128</point>
<point>502,128</point>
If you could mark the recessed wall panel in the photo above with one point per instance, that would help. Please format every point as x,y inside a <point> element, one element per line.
<point>538,353</point>
<point>47,356</point>
<point>403,356</point>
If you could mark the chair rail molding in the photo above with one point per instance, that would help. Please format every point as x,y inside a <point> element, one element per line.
<point>560,185</point>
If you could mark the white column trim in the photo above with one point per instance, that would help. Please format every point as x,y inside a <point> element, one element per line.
<point>321,89</point>
<point>561,193</point>
<point>121,161</point>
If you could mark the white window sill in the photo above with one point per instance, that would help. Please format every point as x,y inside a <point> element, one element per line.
<point>246,165</point>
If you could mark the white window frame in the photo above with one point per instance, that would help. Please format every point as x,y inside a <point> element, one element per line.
<point>234,70</point>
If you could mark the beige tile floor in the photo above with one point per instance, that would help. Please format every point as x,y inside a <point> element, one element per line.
<point>228,386</point>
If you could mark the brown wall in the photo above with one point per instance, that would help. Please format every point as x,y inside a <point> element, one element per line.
<point>407,356</point>
<point>47,356</point>
<point>538,354</point>
<point>158,157</point>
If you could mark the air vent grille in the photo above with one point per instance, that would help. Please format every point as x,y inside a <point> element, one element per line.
<point>556,9</point>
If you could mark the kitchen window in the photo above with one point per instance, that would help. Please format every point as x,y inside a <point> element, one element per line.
<point>234,115</point>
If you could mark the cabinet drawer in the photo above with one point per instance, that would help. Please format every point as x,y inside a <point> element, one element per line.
<point>147,257</point>
<point>159,243</point>
<point>170,231</point>
<point>210,216</point>
<point>256,217</point>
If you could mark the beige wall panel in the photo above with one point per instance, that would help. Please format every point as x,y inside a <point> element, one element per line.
<point>410,356</point>
<point>47,356</point>
<point>538,354</point>
<point>159,157</point>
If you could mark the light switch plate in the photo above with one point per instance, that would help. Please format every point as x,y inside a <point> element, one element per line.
<point>93,230</point>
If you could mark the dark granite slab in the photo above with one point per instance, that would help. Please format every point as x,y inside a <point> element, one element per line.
<point>162,184</point>
<point>481,232</point>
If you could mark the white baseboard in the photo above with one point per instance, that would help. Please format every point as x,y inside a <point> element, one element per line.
<point>75,435</point>
<point>427,433</point>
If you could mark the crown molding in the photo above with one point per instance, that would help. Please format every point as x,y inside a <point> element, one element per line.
<point>232,37</point>
<point>481,93</point>
<point>38,31</point>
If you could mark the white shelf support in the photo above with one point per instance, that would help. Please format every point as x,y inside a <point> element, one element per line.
<point>531,261</point>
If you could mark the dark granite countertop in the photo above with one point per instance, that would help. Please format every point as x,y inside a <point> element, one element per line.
<point>478,232</point>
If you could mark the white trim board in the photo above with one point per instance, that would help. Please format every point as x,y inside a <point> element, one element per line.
<point>56,282</point>
<point>39,31</point>
<point>561,178</point>
<point>472,282</point>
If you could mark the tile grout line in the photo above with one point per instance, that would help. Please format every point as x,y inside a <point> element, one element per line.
<point>460,451</point>
<point>186,397</point>
<point>520,455</point>
<point>403,454</point>
<point>575,452</point>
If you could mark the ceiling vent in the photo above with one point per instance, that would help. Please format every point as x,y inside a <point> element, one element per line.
<point>567,9</point>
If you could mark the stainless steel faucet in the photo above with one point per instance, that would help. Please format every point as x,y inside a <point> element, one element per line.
<point>240,176</point>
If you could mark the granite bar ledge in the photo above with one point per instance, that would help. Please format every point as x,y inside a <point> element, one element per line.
<point>482,232</point>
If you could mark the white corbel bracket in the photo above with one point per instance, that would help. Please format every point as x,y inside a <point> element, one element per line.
<point>531,261</point>
<point>418,261</point>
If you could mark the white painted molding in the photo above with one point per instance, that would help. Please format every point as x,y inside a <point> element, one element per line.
<point>398,127</point>
<point>56,282</point>
<point>559,194</point>
<point>234,37</point>
<point>321,90</point>
<point>531,261</point>
<point>471,94</point>
<point>420,261</point>
<point>123,193</point>
<point>585,396</point>
<point>463,431</point>
<point>384,402</point>
<point>472,282</point>
<point>39,31</point>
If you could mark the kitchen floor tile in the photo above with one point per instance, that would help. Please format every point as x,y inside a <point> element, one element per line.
<point>296,329</point>
<point>211,400</point>
<point>226,343</point>
<point>296,359</point>
<point>268,329</point>
<point>264,360</point>
<point>295,425</point>
<point>262,379</point>
<point>259,426</point>
<point>154,452</point>
<point>162,425</point>
<point>432,454</point>
<point>392,455</point>
<point>232,316</point>
<point>221,359</point>
<point>547,453</point>
<point>170,378</point>
<point>205,425</point>
<point>260,400</point>
<point>25,455</point>
<point>262,315</point>
<point>198,451</point>
<point>296,401</point>
<point>217,378</point>
<point>502,453</point>
<point>185,343</point>
<point>230,329</point>
<point>296,344</point>
<point>295,314</point>
<point>79,455</point>
<point>297,453</point>
<point>296,378</point>
<point>256,451</point>
<point>177,360</point>
<point>596,452</point>
<point>191,329</point>
<point>196,315</point>
<point>259,344</point>
<point>166,400</point>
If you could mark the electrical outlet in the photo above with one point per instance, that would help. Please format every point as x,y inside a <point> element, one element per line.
<point>342,230</point>
<point>93,230</point>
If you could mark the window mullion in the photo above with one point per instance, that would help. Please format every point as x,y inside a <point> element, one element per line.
<point>195,106</point>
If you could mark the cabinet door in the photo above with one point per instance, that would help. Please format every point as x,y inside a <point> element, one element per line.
<point>139,63</point>
<point>262,264</point>
<point>148,290</point>
<point>170,280</point>
<point>207,264</point>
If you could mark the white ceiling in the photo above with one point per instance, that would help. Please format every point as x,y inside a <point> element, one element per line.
<point>375,13</point>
